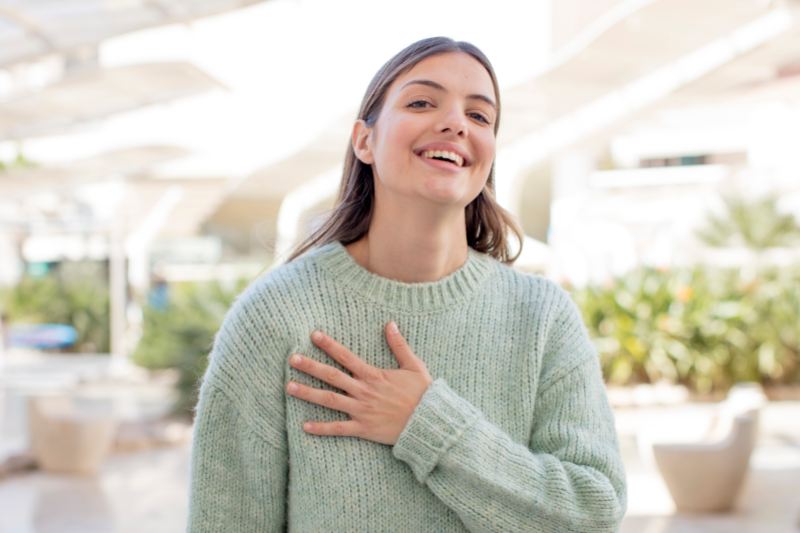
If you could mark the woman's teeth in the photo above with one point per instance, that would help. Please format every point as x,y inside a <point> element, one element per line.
<point>444,154</point>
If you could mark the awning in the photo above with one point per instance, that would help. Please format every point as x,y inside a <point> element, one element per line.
<point>629,41</point>
<point>32,28</point>
<point>97,95</point>
<point>126,162</point>
<point>80,198</point>
<point>71,214</point>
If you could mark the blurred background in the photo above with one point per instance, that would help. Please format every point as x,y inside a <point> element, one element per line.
<point>158,155</point>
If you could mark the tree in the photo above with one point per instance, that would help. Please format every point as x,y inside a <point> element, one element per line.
<point>755,224</point>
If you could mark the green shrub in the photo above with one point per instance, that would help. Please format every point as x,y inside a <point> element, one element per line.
<point>75,294</point>
<point>704,328</point>
<point>179,332</point>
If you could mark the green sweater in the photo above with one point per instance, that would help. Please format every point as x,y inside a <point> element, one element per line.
<point>515,433</point>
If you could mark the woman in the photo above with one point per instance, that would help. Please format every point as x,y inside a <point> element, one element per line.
<point>488,411</point>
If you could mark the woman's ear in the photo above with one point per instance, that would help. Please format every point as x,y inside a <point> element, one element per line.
<point>362,142</point>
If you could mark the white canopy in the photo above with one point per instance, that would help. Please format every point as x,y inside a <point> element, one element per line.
<point>16,184</point>
<point>98,94</point>
<point>32,28</point>
<point>633,39</point>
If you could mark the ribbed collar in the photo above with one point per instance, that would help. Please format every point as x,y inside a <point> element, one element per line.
<point>411,297</point>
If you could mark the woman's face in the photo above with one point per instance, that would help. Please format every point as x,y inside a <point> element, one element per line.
<point>434,138</point>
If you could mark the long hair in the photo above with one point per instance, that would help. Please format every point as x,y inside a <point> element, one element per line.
<point>487,224</point>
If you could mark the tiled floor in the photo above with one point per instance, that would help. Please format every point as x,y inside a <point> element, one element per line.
<point>769,503</point>
<point>146,492</point>
<point>137,492</point>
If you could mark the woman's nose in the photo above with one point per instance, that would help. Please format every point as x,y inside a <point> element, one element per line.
<point>453,121</point>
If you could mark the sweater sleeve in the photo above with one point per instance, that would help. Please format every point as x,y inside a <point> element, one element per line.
<point>568,478</point>
<point>238,479</point>
<point>239,471</point>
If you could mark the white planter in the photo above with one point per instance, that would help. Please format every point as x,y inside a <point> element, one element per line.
<point>66,438</point>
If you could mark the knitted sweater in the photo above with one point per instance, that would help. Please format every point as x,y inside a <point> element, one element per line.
<point>515,433</point>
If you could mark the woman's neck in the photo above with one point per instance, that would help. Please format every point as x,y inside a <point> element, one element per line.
<point>412,244</point>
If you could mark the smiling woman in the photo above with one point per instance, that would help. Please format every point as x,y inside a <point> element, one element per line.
<point>431,80</point>
<point>487,413</point>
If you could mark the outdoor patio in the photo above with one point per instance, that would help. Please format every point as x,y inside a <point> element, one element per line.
<point>156,156</point>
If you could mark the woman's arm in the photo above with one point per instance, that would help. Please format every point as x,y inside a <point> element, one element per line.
<point>239,452</point>
<point>238,480</point>
<point>570,477</point>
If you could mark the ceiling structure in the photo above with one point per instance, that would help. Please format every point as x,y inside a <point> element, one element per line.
<point>200,198</point>
<point>33,28</point>
<point>523,163</point>
<point>98,94</point>
<point>132,162</point>
<point>770,72</point>
<point>71,30</point>
<point>67,213</point>
<point>631,40</point>
<point>56,198</point>
<point>254,204</point>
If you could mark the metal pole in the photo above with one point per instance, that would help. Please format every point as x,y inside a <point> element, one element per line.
<point>118,293</point>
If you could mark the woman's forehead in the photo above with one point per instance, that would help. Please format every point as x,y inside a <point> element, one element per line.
<point>453,71</point>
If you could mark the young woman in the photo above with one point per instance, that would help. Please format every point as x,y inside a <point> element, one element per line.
<point>395,375</point>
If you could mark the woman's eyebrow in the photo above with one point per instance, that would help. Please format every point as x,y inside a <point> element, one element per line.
<point>484,98</point>
<point>437,86</point>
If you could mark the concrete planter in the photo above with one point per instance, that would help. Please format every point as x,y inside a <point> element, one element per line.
<point>706,478</point>
<point>68,438</point>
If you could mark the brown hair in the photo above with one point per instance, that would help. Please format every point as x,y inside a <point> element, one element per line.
<point>488,224</point>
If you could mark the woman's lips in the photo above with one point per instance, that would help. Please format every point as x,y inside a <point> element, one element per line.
<point>444,150</point>
<point>442,165</point>
<point>447,155</point>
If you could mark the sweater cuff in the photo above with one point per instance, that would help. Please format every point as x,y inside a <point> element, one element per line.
<point>436,424</point>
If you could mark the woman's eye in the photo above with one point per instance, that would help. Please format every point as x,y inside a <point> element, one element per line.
<point>480,116</point>
<point>419,103</point>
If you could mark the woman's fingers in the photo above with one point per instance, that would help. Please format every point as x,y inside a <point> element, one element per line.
<point>336,429</point>
<point>324,398</point>
<point>400,348</point>
<point>328,374</point>
<point>342,355</point>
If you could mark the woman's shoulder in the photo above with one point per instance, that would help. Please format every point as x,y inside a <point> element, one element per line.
<point>278,287</point>
<point>542,294</point>
<point>551,310</point>
<point>260,321</point>
<point>259,331</point>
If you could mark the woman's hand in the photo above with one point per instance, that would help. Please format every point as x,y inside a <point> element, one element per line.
<point>379,401</point>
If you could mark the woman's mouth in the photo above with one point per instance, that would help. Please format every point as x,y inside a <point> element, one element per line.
<point>443,155</point>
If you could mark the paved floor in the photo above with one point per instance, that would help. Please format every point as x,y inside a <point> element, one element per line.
<point>137,492</point>
<point>146,491</point>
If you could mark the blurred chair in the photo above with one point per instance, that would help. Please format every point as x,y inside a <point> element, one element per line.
<point>706,476</point>
<point>69,435</point>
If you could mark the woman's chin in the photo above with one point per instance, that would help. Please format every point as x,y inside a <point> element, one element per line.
<point>447,193</point>
<point>446,198</point>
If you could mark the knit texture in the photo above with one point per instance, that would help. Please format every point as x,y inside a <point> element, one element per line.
<point>515,433</point>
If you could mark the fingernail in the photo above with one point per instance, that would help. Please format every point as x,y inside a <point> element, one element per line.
<point>307,427</point>
<point>316,336</point>
<point>296,360</point>
<point>393,327</point>
<point>292,387</point>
